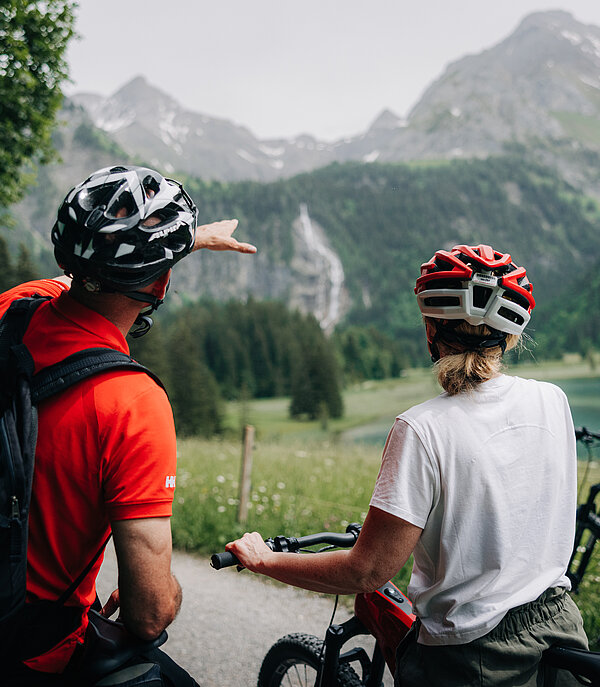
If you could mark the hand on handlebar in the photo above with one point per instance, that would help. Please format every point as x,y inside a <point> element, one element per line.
<point>250,550</point>
<point>112,605</point>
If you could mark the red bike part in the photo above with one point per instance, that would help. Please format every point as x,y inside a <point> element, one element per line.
<point>388,616</point>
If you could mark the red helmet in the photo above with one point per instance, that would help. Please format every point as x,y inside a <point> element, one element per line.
<point>476,284</point>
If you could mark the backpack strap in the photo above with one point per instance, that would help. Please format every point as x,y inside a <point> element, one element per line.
<point>79,366</point>
<point>15,321</point>
<point>66,595</point>
<point>15,359</point>
<point>65,373</point>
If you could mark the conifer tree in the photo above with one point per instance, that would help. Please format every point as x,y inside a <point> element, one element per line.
<point>315,381</point>
<point>7,279</point>
<point>25,269</point>
<point>192,388</point>
<point>151,350</point>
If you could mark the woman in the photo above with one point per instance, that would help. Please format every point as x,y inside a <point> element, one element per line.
<point>479,483</point>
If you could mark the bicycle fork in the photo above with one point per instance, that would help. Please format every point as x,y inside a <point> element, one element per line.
<point>335,638</point>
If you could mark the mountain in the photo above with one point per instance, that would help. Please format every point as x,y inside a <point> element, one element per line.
<point>151,125</point>
<point>539,87</point>
<point>343,238</point>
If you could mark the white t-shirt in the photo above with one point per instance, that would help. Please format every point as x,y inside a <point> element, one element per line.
<point>491,478</point>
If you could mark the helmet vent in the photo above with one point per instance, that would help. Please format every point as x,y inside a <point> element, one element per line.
<point>442,301</point>
<point>89,199</point>
<point>444,284</point>
<point>481,295</point>
<point>151,186</point>
<point>516,298</point>
<point>511,316</point>
<point>122,206</point>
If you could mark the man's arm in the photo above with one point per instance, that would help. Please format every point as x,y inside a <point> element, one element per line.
<point>149,594</point>
<point>218,236</point>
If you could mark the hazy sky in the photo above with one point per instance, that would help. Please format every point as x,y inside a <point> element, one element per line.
<point>281,68</point>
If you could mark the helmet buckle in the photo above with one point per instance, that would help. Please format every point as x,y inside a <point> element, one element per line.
<point>91,285</point>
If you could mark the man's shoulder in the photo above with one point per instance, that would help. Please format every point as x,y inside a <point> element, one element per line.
<point>42,287</point>
<point>128,395</point>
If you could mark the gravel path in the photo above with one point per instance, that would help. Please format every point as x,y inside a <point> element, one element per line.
<point>229,620</point>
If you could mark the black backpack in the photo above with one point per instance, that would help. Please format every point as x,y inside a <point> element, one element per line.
<point>20,393</point>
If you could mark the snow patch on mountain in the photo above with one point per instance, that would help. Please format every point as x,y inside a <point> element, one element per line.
<point>245,155</point>
<point>573,38</point>
<point>372,156</point>
<point>594,83</point>
<point>271,151</point>
<point>112,123</point>
<point>170,131</point>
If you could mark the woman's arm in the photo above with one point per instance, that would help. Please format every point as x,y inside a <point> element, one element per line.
<point>383,547</point>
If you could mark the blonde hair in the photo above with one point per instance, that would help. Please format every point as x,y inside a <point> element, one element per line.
<point>462,371</point>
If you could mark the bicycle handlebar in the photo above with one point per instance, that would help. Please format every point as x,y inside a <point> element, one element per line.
<point>345,539</point>
<point>583,434</point>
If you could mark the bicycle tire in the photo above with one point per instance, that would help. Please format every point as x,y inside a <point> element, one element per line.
<point>293,661</point>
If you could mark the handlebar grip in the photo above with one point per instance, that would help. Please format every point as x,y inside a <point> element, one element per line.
<point>223,560</point>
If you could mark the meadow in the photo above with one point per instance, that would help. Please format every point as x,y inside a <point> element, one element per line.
<point>311,476</point>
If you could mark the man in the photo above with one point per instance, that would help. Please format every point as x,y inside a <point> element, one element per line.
<point>106,456</point>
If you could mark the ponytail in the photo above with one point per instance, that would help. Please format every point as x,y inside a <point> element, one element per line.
<point>461,371</point>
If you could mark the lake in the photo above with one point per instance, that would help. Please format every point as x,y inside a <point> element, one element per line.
<point>583,395</point>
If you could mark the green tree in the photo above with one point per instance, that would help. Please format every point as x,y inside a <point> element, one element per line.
<point>6,269</point>
<point>25,269</point>
<point>151,350</point>
<point>192,388</point>
<point>315,386</point>
<point>34,36</point>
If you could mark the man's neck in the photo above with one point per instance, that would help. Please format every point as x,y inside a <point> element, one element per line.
<point>115,307</point>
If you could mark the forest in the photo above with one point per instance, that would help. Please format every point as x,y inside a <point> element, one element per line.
<point>383,221</point>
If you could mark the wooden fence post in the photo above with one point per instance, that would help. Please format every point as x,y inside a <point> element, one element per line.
<point>246,473</point>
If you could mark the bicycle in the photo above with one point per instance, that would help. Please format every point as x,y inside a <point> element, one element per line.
<point>302,660</point>
<point>587,517</point>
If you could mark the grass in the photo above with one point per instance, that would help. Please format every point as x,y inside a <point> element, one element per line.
<point>364,404</point>
<point>308,477</point>
<point>297,488</point>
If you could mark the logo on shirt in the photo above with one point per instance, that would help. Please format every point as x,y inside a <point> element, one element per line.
<point>170,482</point>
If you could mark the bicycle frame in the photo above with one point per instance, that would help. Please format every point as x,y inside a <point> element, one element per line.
<point>387,615</point>
<point>587,519</point>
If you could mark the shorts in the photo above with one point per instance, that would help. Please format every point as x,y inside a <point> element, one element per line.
<point>507,656</point>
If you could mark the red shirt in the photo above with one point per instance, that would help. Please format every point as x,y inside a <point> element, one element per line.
<point>105,451</point>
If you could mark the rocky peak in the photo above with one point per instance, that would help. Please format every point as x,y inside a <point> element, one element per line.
<point>387,121</point>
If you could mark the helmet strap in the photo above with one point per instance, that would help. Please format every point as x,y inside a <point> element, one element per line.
<point>142,325</point>
<point>446,333</point>
<point>143,322</point>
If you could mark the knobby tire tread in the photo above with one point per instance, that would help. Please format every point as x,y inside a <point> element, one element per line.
<point>299,648</point>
